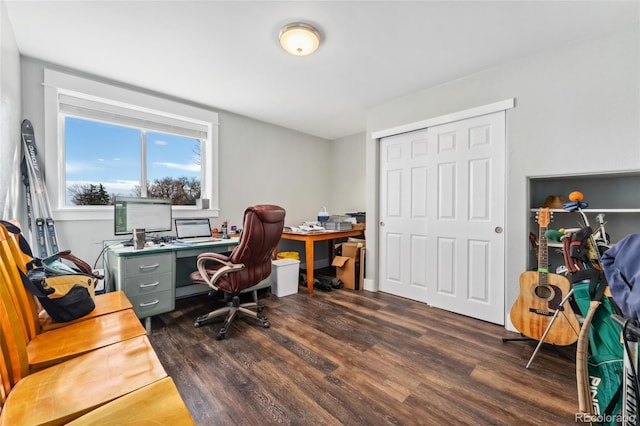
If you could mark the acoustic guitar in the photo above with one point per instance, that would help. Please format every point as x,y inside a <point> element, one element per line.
<point>541,294</point>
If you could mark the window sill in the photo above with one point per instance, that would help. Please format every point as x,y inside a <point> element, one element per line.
<point>106,213</point>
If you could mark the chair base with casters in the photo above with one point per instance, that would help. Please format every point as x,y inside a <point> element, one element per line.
<point>233,309</point>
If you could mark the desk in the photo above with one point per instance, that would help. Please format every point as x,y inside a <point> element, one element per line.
<point>310,238</point>
<point>154,277</point>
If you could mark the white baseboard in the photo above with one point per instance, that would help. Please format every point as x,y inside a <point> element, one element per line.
<point>370,285</point>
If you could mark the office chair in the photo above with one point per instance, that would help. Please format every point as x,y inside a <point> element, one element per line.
<point>247,265</point>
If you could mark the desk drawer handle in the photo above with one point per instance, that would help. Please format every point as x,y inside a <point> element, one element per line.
<point>155,265</point>
<point>150,284</point>
<point>144,305</point>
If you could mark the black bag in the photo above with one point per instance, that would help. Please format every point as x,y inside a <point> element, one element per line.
<point>65,292</point>
<point>64,297</point>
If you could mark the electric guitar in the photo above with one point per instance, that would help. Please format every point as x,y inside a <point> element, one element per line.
<point>541,294</point>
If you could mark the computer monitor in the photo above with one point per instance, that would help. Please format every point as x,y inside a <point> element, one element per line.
<point>151,214</point>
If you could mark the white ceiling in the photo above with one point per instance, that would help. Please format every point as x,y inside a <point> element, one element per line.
<point>225,54</point>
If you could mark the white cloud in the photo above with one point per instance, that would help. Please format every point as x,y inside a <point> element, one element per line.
<point>178,166</point>
<point>160,142</point>
<point>80,167</point>
<point>124,187</point>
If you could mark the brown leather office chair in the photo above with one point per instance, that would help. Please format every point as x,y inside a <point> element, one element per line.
<point>245,267</point>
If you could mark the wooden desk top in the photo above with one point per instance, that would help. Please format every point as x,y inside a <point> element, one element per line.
<point>321,235</point>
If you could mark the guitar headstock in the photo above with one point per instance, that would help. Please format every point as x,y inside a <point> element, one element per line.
<point>543,216</point>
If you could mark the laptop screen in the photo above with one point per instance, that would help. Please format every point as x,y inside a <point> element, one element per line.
<point>192,228</point>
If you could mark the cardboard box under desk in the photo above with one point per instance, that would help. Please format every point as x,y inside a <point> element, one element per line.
<point>348,265</point>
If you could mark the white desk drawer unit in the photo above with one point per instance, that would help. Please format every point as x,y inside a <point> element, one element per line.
<point>153,303</point>
<point>147,280</point>
<point>147,284</point>
<point>150,264</point>
<point>152,278</point>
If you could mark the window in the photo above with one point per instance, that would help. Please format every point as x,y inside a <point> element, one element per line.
<point>114,141</point>
<point>103,160</point>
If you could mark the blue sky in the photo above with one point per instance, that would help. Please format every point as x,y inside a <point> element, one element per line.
<point>108,154</point>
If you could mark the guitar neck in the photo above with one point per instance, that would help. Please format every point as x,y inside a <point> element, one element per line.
<point>543,256</point>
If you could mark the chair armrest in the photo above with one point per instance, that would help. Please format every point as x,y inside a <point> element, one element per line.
<point>213,256</point>
<point>227,267</point>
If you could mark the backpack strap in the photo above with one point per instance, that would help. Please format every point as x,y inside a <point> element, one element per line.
<point>597,282</point>
<point>23,244</point>
<point>80,264</point>
<point>570,263</point>
<point>34,289</point>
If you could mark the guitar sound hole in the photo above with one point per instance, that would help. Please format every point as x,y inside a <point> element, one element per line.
<point>543,292</point>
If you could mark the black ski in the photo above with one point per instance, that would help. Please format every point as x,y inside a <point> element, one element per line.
<point>38,206</point>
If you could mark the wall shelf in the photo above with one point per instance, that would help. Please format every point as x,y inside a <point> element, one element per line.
<point>616,195</point>
<point>593,211</point>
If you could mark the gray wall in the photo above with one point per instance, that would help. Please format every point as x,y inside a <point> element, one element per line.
<point>348,179</point>
<point>577,112</point>
<point>10,118</point>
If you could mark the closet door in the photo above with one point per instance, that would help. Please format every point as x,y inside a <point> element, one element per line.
<point>442,216</point>
<point>403,213</point>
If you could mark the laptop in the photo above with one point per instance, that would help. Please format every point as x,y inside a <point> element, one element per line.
<point>193,230</point>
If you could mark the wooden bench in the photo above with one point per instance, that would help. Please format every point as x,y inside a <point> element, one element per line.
<point>37,320</point>
<point>90,371</point>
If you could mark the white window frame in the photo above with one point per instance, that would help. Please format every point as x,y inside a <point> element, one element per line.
<point>57,84</point>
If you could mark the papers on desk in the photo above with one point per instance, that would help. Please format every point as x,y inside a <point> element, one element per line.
<point>297,230</point>
<point>305,229</point>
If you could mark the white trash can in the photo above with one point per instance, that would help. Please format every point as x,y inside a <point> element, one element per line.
<point>284,276</point>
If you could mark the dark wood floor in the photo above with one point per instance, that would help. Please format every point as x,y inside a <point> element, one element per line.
<point>360,358</point>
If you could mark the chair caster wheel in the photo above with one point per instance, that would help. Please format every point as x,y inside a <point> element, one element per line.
<point>260,309</point>
<point>220,336</point>
<point>266,324</point>
<point>196,324</point>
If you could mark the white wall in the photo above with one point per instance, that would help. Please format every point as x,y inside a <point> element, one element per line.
<point>259,163</point>
<point>262,163</point>
<point>348,179</point>
<point>10,118</point>
<point>577,112</point>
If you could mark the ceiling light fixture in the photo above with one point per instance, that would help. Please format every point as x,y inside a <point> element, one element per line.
<point>299,39</point>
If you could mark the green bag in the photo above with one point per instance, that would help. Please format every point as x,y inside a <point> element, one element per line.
<point>605,381</point>
<point>605,362</point>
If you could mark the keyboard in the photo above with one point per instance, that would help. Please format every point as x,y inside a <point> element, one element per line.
<point>197,240</point>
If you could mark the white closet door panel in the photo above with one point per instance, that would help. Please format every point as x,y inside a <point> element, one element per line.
<point>447,190</point>
<point>403,214</point>
<point>394,254</point>
<point>478,272</point>
<point>419,198</point>
<point>446,278</point>
<point>394,188</point>
<point>418,265</point>
<point>470,271</point>
<point>479,191</point>
<point>441,204</point>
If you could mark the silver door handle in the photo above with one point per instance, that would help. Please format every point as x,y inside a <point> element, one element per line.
<point>498,230</point>
<point>381,223</point>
